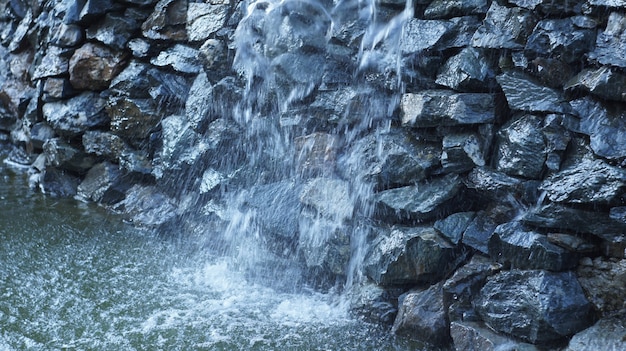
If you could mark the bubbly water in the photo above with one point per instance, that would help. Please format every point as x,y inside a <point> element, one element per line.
<point>74,277</point>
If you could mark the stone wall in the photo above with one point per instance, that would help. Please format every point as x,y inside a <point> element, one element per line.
<point>490,135</point>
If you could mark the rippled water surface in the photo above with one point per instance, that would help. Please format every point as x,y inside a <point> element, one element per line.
<point>73,277</point>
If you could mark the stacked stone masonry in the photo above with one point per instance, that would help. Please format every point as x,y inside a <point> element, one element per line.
<point>497,213</point>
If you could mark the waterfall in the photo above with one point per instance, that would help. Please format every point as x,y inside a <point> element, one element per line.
<point>295,213</point>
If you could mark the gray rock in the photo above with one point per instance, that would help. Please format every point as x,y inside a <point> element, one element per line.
<point>54,63</point>
<point>62,155</point>
<point>467,71</point>
<point>552,8</point>
<point>94,8</point>
<point>317,153</point>
<point>606,334</point>
<point>104,144</point>
<point>390,159</point>
<point>330,198</point>
<point>422,316</point>
<point>453,226</point>
<point>20,32</point>
<point>535,306</point>
<point>479,231</point>
<point>434,108</point>
<point>205,19</point>
<point>462,152</point>
<point>524,94</point>
<point>40,133</point>
<point>181,145</point>
<point>560,39</point>
<point>374,303</point>
<point>59,183</point>
<point>420,35</point>
<point>587,181</point>
<point>167,21</point>
<point>410,256</point>
<point>611,43</point>
<point>132,118</point>
<point>117,29</point>
<point>573,243</point>
<point>557,216</point>
<point>92,67</point>
<point>281,220</point>
<point>146,206</point>
<point>504,28</point>
<point>521,149</point>
<point>199,102</point>
<point>473,336</point>
<point>57,89</point>
<point>67,35</point>
<point>513,244</point>
<point>552,73</point>
<point>605,126</point>
<point>607,3</point>
<point>101,184</point>
<point>76,115</point>
<point>324,244</point>
<point>464,285</point>
<point>446,9</point>
<point>604,82</point>
<point>603,280</point>
<point>140,48</point>
<point>421,201</point>
<point>181,58</point>
<point>493,183</point>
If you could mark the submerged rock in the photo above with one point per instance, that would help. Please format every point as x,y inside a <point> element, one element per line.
<point>536,306</point>
<point>422,316</point>
<point>146,206</point>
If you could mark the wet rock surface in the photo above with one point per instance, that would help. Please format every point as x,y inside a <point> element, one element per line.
<point>412,139</point>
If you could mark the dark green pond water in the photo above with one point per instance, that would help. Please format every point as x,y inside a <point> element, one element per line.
<point>74,277</point>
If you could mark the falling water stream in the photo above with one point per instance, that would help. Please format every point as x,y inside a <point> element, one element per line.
<point>75,277</point>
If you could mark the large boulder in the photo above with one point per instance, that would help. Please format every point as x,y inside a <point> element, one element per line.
<point>434,108</point>
<point>409,256</point>
<point>522,248</point>
<point>606,334</point>
<point>522,148</point>
<point>611,43</point>
<point>425,200</point>
<point>422,316</point>
<point>75,116</point>
<point>535,306</point>
<point>93,66</point>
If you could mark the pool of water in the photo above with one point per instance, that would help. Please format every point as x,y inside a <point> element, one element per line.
<point>75,277</point>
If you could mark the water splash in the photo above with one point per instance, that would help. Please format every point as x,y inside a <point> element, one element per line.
<point>304,102</point>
